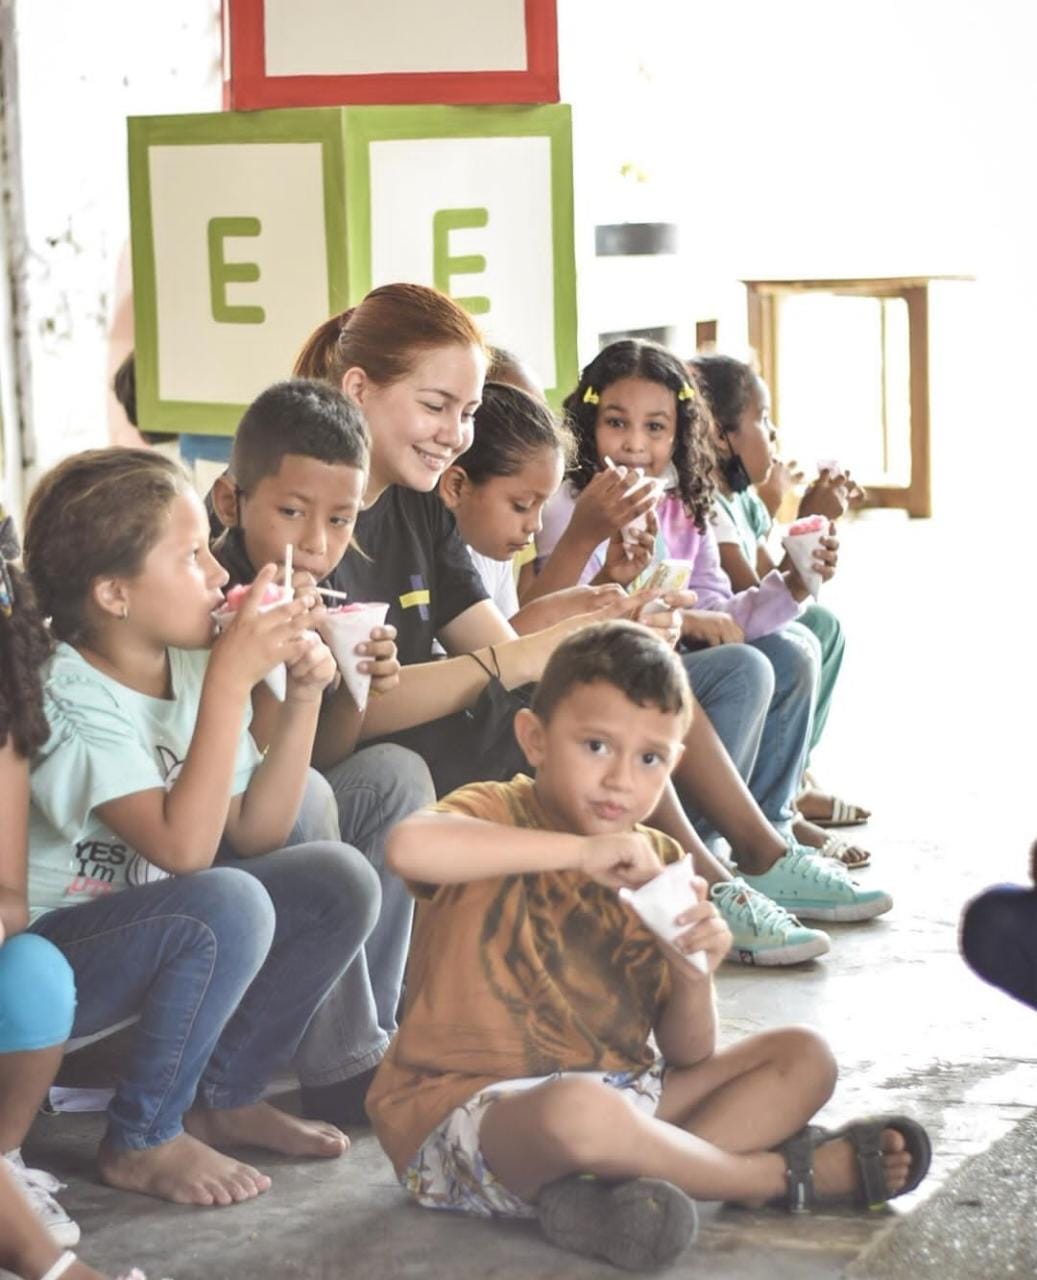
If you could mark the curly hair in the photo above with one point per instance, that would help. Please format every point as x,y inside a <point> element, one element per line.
<point>97,513</point>
<point>693,456</point>
<point>24,647</point>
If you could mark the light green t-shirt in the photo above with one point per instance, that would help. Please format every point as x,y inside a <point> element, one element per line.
<point>107,741</point>
<point>741,518</point>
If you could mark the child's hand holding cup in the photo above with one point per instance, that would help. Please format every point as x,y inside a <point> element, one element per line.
<point>675,905</point>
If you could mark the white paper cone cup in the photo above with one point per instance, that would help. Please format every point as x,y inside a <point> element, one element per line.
<point>801,548</point>
<point>662,900</point>
<point>343,630</point>
<point>277,679</point>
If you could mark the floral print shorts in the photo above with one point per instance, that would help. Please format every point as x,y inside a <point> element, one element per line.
<point>449,1171</point>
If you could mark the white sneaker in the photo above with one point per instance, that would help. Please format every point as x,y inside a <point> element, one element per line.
<point>38,1188</point>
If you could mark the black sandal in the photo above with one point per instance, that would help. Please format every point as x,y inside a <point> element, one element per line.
<point>865,1136</point>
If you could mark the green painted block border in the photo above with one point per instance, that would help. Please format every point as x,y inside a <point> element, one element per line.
<point>365,125</point>
<point>324,125</point>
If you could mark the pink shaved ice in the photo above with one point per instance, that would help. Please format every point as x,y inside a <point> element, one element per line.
<point>272,594</point>
<point>808,524</point>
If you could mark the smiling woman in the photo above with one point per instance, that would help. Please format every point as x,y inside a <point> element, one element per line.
<point>414,362</point>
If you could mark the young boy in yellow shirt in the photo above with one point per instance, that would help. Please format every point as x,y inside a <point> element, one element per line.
<point>549,1034</point>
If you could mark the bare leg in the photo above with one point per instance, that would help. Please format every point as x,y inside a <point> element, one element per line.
<point>25,1078</point>
<point>25,1247</point>
<point>708,776</point>
<point>262,1125</point>
<point>754,1094</point>
<point>575,1125</point>
<point>669,816</point>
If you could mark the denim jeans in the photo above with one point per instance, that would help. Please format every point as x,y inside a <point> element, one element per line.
<point>224,967</point>
<point>734,685</point>
<point>999,940</point>
<point>760,699</point>
<point>365,795</point>
<point>795,659</point>
<point>37,995</point>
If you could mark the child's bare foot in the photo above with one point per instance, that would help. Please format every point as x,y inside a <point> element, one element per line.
<point>835,1166</point>
<point>184,1170</point>
<point>262,1125</point>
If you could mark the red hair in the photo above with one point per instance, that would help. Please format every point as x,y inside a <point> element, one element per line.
<point>385,334</point>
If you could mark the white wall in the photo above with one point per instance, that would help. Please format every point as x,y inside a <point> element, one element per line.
<point>82,69</point>
<point>800,138</point>
<point>809,138</point>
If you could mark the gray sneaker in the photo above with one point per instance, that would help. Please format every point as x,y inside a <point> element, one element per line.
<point>639,1224</point>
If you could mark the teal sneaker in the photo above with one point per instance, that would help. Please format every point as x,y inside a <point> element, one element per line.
<point>762,932</point>
<point>818,889</point>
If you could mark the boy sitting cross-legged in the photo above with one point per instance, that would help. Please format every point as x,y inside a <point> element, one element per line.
<point>526,1057</point>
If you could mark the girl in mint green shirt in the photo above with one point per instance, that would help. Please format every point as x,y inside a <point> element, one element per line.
<point>158,858</point>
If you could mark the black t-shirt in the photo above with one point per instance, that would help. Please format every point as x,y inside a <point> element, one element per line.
<point>414,558</point>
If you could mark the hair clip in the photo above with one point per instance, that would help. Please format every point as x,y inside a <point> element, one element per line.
<point>590,396</point>
<point>687,392</point>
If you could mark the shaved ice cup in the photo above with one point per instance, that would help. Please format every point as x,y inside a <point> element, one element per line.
<point>662,900</point>
<point>343,629</point>
<point>639,524</point>
<point>276,680</point>
<point>802,540</point>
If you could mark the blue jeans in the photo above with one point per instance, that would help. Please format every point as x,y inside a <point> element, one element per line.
<point>795,658</point>
<point>760,699</point>
<point>224,967</point>
<point>364,797</point>
<point>734,685</point>
<point>999,940</point>
<point>37,995</point>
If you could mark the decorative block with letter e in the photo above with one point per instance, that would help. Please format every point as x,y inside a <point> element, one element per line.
<point>250,228</point>
<point>317,53</point>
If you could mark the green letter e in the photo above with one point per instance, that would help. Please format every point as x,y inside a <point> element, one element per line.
<point>444,266</point>
<point>222,272</point>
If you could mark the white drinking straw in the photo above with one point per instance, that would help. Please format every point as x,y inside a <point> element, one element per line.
<point>289,590</point>
<point>335,595</point>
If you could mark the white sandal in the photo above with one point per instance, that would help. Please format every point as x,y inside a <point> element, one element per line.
<point>59,1268</point>
<point>837,848</point>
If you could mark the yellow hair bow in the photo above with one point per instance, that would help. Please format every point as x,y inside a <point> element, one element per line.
<point>590,396</point>
<point>687,392</point>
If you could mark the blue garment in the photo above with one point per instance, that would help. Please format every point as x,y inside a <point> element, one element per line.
<point>759,698</point>
<point>999,940</point>
<point>37,995</point>
<point>195,448</point>
<point>224,967</point>
<point>795,657</point>
<point>361,800</point>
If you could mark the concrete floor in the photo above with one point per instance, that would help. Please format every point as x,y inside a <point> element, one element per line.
<point>923,736</point>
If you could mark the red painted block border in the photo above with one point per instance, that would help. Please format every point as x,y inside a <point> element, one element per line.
<point>249,88</point>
